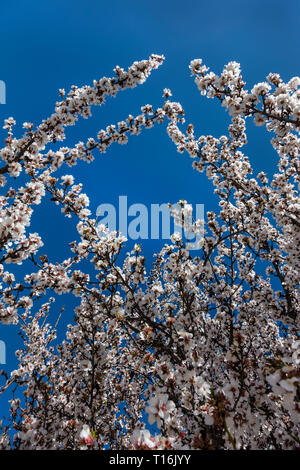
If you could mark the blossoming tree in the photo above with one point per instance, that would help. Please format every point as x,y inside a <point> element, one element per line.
<point>206,347</point>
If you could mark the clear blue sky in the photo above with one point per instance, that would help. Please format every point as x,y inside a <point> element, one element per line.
<point>50,45</point>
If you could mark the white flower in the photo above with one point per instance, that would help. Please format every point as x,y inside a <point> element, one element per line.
<point>289,384</point>
<point>201,386</point>
<point>160,408</point>
<point>195,65</point>
<point>296,113</point>
<point>86,365</point>
<point>68,180</point>
<point>209,420</point>
<point>260,88</point>
<point>142,438</point>
<point>294,83</point>
<point>86,435</point>
<point>233,67</point>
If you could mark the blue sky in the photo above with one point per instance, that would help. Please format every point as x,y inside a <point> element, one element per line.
<point>50,45</point>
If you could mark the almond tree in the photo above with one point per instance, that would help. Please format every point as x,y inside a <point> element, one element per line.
<point>207,346</point>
